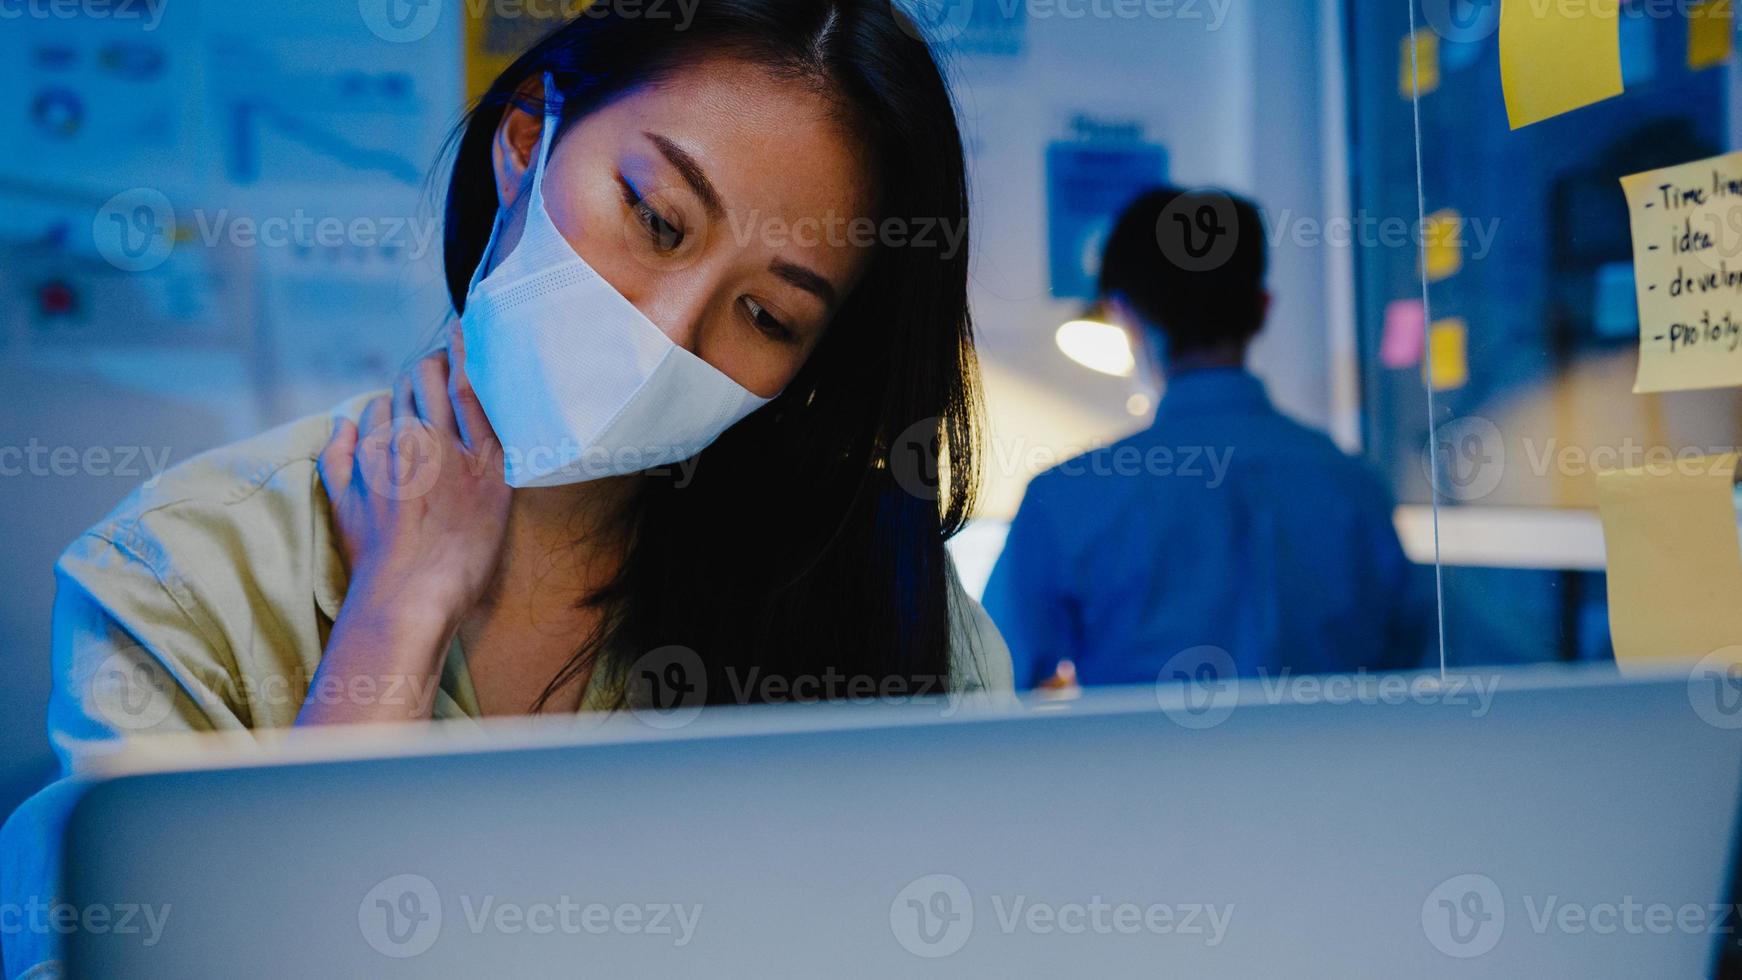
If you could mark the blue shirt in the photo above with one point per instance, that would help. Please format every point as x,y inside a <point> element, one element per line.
<point>1225,525</point>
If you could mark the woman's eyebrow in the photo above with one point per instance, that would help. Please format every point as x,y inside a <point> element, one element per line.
<point>804,279</point>
<point>690,170</point>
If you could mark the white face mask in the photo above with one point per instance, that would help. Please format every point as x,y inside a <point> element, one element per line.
<point>576,382</point>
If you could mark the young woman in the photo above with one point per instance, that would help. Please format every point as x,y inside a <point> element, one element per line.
<point>654,233</point>
<point>669,451</point>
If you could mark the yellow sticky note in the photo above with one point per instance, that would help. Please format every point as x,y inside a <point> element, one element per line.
<point>1442,245</point>
<point>1558,56</point>
<point>1711,33</point>
<point>1687,267</point>
<point>1419,64</point>
<point>1675,569</point>
<point>1448,361</point>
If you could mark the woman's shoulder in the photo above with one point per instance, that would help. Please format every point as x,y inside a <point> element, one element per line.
<point>239,524</point>
<point>232,473</point>
<point>979,658</point>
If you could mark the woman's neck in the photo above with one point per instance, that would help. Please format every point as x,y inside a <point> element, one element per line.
<point>563,543</point>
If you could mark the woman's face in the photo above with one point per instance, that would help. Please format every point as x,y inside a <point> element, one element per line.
<point>722,202</point>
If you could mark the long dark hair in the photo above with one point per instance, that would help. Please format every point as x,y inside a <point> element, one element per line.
<point>810,538</point>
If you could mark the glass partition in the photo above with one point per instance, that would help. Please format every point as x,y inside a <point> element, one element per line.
<point>1502,356</point>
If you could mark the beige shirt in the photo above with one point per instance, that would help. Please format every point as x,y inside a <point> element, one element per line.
<point>204,602</point>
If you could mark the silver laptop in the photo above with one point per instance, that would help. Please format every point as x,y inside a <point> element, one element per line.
<point>1516,825</point>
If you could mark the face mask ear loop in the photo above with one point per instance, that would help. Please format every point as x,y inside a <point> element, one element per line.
<point>552,116</point>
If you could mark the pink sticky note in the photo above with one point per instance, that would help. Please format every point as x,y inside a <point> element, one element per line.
<point>1405,334</point>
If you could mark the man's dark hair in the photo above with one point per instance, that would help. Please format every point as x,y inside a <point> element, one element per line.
<point>1191,264</point>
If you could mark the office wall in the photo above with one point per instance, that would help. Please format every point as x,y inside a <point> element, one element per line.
<point>1238,99</point>
<point>265,111</point>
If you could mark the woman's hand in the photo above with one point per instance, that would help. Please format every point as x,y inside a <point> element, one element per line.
<point>417,489</point>
<point>418,496</point>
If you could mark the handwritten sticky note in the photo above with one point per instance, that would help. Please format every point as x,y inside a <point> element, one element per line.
<point>1448,355</point>
<point>1405,334</point>
<point>1442,245</point>
<point>1419,64</point>
<point>1687,234</point>
<point>1557,56</point>
<point>1675,568</point>
<point>1711,33</point>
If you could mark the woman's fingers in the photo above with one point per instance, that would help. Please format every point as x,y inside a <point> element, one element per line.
<point>475,429</point>
<point>375,430</point>
<point>336,461</point>
<point>404,403</point>
<point>429,390</point>
<point>378,412</point>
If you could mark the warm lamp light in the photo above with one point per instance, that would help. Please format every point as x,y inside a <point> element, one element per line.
<point>1097,346</point>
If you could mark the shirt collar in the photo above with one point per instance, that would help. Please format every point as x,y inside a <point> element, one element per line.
<point>1213,391</point>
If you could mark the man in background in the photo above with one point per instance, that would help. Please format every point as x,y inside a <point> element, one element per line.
<point>1225,538</point>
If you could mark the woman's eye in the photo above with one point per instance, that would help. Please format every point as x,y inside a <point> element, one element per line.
<point>666,237</point>
<point>768,323</point>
